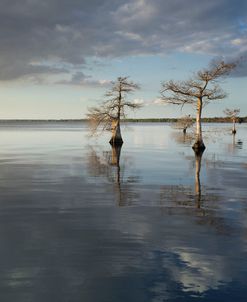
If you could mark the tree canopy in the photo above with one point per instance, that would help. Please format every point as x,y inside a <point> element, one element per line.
<point>203,85</point>
<point>107,115</point>
<point>198,90</point>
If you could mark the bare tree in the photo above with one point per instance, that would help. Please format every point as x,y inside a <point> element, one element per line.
<point>199,90</point>
<point>233,114</point>
<point>184,123</point>
<point>108,115</point>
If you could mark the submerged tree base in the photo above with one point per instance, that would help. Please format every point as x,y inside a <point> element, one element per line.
<point>116,141</point>
<point>198,147</point>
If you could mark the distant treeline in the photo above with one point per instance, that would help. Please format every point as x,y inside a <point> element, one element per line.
<point>174,120</point>
<point>43,121</point>
<point>136,120</point>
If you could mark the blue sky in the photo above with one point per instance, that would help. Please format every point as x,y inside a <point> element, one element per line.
<point>57,58</point>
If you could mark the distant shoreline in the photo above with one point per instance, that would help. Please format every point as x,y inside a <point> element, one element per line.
<point>139,120</point>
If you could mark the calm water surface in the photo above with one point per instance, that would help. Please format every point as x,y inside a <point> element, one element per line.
<point>80,221</point>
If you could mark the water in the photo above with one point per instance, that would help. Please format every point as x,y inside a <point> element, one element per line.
<point>81,222</point>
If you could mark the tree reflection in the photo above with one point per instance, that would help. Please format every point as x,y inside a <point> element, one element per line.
<point>107,165</point>
<point>115,160</point>
<point>198,192</point>
<point>235,145</point>
<point>183,138</point>
<point>184,195</point>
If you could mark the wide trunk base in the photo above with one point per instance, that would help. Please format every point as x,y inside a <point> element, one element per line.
<point>116,141</point>
<point>198,147</point>
<point>234,131</point>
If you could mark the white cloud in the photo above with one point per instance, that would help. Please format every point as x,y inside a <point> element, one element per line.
<point>159,101</point>
<point>237,41</point>
<point>129,35</point>
<point>80,79</point>
<point>138,101</point>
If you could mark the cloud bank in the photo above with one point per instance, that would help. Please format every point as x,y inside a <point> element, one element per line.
<point>53,37</point>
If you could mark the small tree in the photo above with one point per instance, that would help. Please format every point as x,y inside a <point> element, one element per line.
<point>199,90</point>
<point>184,123</point>
<point>108,115</point>
<point>233,114</point>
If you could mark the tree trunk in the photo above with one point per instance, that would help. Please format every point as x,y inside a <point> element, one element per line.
<point>199,145</point>
<point>116,139</point>
<point>234,127</point>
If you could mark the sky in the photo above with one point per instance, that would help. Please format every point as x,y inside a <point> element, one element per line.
<point>58,57</point>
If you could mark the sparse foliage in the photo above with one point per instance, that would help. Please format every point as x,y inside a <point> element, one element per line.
<point>184,123</point>
<point>233,114</point>
<point>199,90</point>
<point>108,115</point>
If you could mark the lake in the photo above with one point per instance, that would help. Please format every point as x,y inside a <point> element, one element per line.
<point>80,221</point>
